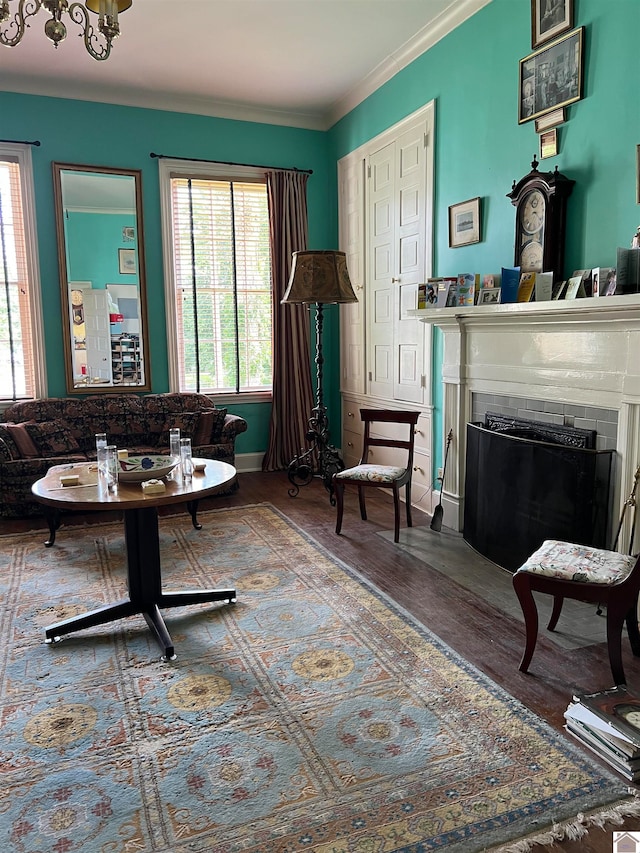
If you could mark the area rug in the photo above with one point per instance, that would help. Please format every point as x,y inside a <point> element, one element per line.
<point>312,715</point>
<point>448,553</point>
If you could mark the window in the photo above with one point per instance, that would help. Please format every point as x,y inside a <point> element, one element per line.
<point>21,349</point>
<point>216,231</point>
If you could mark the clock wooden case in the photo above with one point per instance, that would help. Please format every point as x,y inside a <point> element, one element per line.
<point>540,199</point>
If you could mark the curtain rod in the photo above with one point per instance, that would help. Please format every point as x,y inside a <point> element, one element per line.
<point>228,163</point>
<point>21,141</point>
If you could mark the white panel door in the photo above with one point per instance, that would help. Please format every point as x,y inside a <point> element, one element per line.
<point>382,262</point>
<point>98,334</point>
<point>351,226</point>
<point>409,355</point>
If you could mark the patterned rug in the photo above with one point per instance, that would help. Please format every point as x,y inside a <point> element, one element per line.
<point>313,715</point>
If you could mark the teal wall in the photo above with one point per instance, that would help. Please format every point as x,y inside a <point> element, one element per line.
<point>92,243</point>
<point>472,75</point>
<point>480,149</point>
<point>106,135</point>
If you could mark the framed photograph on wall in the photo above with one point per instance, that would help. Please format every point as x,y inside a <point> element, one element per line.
<point>552,77</point>
<point>464,223</point>
<point>549,19</point>
<point>127,261</point>
<point>549,143</point>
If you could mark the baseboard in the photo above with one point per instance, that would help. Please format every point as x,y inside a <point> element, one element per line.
<point>248,462</point>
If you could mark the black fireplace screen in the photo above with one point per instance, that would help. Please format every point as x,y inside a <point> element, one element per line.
<point>521,490</point>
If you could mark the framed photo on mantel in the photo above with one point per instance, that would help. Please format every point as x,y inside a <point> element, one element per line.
<point>549,19</point>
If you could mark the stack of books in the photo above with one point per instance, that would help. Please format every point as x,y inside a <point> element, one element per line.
<point>608,723</point>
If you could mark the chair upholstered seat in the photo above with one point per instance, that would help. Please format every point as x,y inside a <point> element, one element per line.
<point>372,473</point>
<point>566,570</point>
<point>382,428</point>
<point>581,563</point>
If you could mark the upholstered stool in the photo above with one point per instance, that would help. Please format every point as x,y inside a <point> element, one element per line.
<point>565,570</point>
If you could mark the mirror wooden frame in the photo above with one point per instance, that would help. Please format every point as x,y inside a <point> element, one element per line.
<point>73,387</point>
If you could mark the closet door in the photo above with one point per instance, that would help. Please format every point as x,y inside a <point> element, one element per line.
<point>382,269</point>
<point>410,237</point>
<point>396,240</point>
<point>351,229</point>
<point>98,334</point>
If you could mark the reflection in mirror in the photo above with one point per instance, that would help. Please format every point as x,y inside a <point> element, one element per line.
<point>102,278</point>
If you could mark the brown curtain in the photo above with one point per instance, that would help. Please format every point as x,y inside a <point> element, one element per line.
<point>292,389</point>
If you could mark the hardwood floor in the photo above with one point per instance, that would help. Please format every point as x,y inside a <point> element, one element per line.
<point>480,633</point>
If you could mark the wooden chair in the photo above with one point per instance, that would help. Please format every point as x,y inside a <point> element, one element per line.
<point>392,477</point>
<point>565,570</point>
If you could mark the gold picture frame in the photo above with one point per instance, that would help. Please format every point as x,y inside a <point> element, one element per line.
<point>551,77</point>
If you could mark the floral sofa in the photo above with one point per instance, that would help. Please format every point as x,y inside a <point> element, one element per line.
<point>37,434</point>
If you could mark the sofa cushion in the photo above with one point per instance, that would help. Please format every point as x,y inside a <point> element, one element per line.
<point>184,421</point>
<point>7,438</point>
<point>209,427</point>
<point>52,438</point>
<point>23,441</point>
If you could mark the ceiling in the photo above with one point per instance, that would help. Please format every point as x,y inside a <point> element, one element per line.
<point>303,63</point>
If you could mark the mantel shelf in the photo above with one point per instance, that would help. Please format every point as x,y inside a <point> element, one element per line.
<point>603,308</point>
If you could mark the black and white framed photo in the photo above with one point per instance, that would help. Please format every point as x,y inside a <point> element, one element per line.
<point>550,19</point>
<point>489,296</point>
<point>464,223</point>
<point>552,77</point>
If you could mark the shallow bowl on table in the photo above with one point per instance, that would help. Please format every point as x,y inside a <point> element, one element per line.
<point>135,469</point>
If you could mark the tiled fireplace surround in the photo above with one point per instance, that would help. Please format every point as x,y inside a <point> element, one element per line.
<point>572,363</point>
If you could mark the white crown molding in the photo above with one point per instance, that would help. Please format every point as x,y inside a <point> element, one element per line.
<point>425,39</point>
<point>76,91</point>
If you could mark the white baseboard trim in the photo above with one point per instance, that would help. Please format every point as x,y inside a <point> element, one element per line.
<point>247,462</point>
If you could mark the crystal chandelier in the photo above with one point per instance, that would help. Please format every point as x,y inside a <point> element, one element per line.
<point>96,40</point>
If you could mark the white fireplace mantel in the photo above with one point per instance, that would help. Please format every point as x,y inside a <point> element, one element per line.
<point>585,352</point>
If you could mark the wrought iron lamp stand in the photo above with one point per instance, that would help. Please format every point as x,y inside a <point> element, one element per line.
<point>321,459</point>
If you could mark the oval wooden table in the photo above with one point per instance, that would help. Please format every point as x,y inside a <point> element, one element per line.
<point>144,575</point>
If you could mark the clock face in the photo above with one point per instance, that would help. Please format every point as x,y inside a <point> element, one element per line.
<point>531,257</point>
<point>532,212</point>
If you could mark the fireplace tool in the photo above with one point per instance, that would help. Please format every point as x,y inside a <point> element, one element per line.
<point>436,521</point>
<point>630,502</point>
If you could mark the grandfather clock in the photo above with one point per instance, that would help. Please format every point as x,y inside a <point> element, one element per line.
<point>540,199</point>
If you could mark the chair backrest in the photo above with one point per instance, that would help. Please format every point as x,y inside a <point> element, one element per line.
<point>388,416</point>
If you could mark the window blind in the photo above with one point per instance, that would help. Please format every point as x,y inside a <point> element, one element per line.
<point>222,274</point>
<point>17,378</point>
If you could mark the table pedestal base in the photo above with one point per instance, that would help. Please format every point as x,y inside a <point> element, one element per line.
<point>145,586</point>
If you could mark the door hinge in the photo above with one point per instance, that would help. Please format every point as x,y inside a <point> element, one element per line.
<point>369,170</point>
<point>423,381</point>
<point>426,140</point>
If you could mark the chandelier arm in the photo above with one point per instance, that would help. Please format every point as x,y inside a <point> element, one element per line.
<point>97,44</point>
<point>26,9</point>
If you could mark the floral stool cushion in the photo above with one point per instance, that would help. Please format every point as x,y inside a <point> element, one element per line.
<point>569,562</point>
<point>372,473</point>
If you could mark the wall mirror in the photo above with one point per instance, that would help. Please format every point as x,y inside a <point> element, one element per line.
<point>102,278</point>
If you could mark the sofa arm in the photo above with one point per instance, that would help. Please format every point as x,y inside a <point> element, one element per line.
<point>233,426</point>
